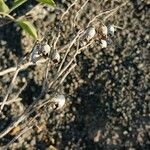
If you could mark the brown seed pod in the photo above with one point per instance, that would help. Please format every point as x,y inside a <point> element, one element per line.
<point>102,32</point>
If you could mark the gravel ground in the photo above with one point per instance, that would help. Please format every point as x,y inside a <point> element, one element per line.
<point>107,94</point>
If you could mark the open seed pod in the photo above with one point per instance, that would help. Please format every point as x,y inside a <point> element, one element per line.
<point>36,53</point>
<point>40,50</point>
<point>89,33</point>
<point>45,50</point>
<point>102,32</point>
<point>55,56</point>
<point>59,100</point>
<point>103,43</point>
<point>111,30</point>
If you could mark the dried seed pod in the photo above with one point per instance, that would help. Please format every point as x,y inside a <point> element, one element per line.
<point>55,56</point>
<point>36,54</point>
<point>59,101</point>
<point>103,31</point>
<point>111,30</point>
<point>89,33</point>
<point>40,50</point>
<point>45,49</point>
<point>103,43</point>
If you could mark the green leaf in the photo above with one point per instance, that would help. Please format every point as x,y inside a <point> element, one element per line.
<point>28,27</point>
<point>3,7</point>
<point>17,3</point>
<point>48,2</point>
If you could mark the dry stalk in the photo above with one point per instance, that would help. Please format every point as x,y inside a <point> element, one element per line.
<point>68,9</point>
<point>9,89</point>
<point>67,73</point>
<point>35,106</point>
<point>109,12</point>
<point>9,70</point>
<point>18,69</point>
<point>71,61</point>
<point>71,44</point>
<point>25,129</point>
<point>45,84</point>
<point>22,67</point>
<point>15,99</point>
<point>78,12</point>
<point>12,101</point>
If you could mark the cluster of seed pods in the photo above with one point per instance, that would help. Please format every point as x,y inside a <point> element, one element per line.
<point>41,50</point>
<point>102,32</point>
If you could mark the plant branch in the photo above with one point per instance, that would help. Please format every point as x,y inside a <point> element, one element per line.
<point>7,15</point>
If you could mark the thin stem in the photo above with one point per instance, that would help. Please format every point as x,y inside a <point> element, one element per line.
<point>66,74</point>
<point>71,44</point>
<point>68,10</point>
<point>15,99</point>
<point>16,137</point>
<point>70,62</point>
<point>9,89</point>
<point>80,10</point>
<point>118,27</point>
<point>44,86</point>
<point>28,126</point>
<point>12,101</point>
<point>109,12</point>
<point>22,67</point>
<point>7,15</point>
<point>14,7</point>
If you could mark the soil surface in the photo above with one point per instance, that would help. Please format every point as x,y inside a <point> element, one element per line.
<point>107,94</point>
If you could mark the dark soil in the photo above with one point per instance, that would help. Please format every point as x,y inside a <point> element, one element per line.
<point>107,94</point>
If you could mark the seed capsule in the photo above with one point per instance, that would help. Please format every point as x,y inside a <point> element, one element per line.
<point>39,51</point>
<point>111,30</point>
<point>59,101</point>
<point>55,56</point>
<point>35,55</point>
<point>103,43</point>
<point>103,31</point>
<point>45,49</point>
<point>89,33</point>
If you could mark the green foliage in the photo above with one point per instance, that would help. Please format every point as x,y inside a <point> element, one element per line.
<point>24,24</point>
<point>17,3</point>
<point>48,2</point>
<point>3,7</point>
<point>28,27</point>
